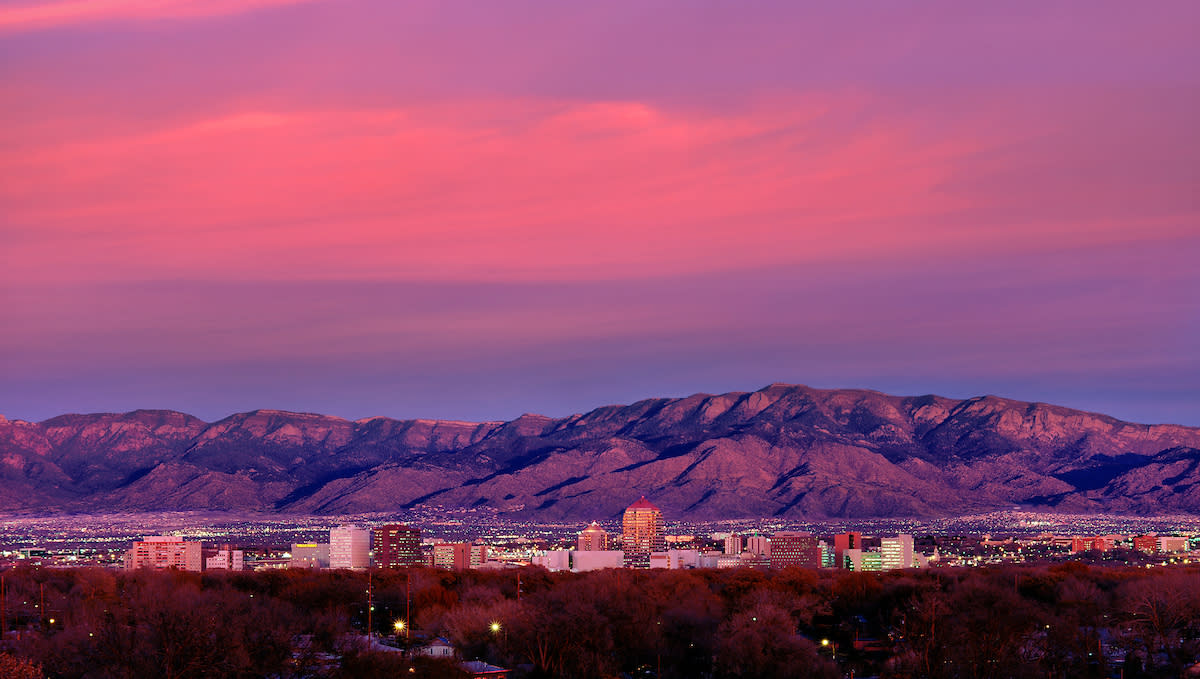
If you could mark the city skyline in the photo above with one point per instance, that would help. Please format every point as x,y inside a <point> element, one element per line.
<point>644,338</point>
<point>462,212</point>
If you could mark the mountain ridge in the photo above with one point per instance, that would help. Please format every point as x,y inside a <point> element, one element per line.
<point>783,450</point>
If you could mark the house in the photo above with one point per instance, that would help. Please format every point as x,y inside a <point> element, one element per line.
<point>477,669</point>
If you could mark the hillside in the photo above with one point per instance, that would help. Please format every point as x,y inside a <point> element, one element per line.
<point>784,450</point>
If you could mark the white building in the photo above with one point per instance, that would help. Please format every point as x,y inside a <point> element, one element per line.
<point>227,558</point>
<point>593,560</point>
<point>554,560</point>
<point>350,547</point>
<point>896,552</point>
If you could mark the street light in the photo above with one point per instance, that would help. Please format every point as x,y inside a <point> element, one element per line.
<point>833,651</point>
<point>496,627</point>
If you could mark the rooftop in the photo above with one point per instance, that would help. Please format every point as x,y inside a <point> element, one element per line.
<point>643,503</point>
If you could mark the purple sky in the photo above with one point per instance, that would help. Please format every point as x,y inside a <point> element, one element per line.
<point>474,210</point>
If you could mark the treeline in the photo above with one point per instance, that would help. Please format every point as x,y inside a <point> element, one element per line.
<point>1067,620</point>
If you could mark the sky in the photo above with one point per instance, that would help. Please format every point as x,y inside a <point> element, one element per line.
<point>473,210</point>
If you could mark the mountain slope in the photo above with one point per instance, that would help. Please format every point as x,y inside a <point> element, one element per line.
<point>784,450</point>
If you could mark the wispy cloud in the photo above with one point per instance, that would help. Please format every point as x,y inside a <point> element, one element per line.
<point>42,15</point>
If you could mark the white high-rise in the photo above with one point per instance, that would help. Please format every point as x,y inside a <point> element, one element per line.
<point>350,547</point>
<point>733,544</point>
<point>896,552</point>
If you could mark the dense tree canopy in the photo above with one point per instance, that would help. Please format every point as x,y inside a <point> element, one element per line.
<point>1068,620</point>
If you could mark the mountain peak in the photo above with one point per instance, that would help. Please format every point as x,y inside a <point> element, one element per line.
<point>782,450</point>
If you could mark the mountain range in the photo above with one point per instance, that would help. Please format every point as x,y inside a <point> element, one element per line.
<point>784,450</point>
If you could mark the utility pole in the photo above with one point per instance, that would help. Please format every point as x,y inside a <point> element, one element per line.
<point>407,605</point>
<point>3,610</point>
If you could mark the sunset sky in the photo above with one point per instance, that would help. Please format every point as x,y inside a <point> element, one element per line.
<point>472,210</point>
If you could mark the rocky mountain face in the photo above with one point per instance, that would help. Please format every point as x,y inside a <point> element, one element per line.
<point>784,450</point>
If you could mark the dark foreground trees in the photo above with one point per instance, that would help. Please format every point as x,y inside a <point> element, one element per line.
<point>1060,621</point>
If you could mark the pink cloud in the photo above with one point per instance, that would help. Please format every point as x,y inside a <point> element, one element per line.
<point>534,189</point>
<point>508,189</point>
<point>42,15</point>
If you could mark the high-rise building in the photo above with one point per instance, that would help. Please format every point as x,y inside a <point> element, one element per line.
<point>164,552</point>
<point>309,555</point>
<point>733,544</point>
<point>842,542</point>
<point>642,529</point>
<point>896,552</point>
<point>397,546</point>
<point>350,547</point>
<point>795,549</point>
<point>593,539</point>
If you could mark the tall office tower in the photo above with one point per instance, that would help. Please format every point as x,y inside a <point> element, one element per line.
<point>397,546</point>
<point>350,547</point>
<point>642,528</point>
<point>163,552</point>
<point>759,545</point>
<point>896,552</point>
<point>795,549</point>
<point>733,544</point>
<point>843,542</point>
<point>310,555</point>
<point>592,539</point>
<point>225,558</point>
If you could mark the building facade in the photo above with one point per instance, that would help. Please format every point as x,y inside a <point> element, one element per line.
<point>642,529</point>
<point>350,547</point>
<point>592,539</point>
<point>451,556</point>
<point>842,542</point>
<point>733,544</point>
<point>1146,543</point>
<point>162,552</point>
<point>397,546</point>
<point>896,552</point>
<point>790,548</point>
<point>225,558</point>
<point>309,555</point>
<point>759,545</point>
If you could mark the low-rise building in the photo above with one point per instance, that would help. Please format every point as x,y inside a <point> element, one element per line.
<point>309,555</point>
<point>163,552</point>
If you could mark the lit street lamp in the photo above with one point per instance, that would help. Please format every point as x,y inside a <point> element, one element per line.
<point>496,627</point>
